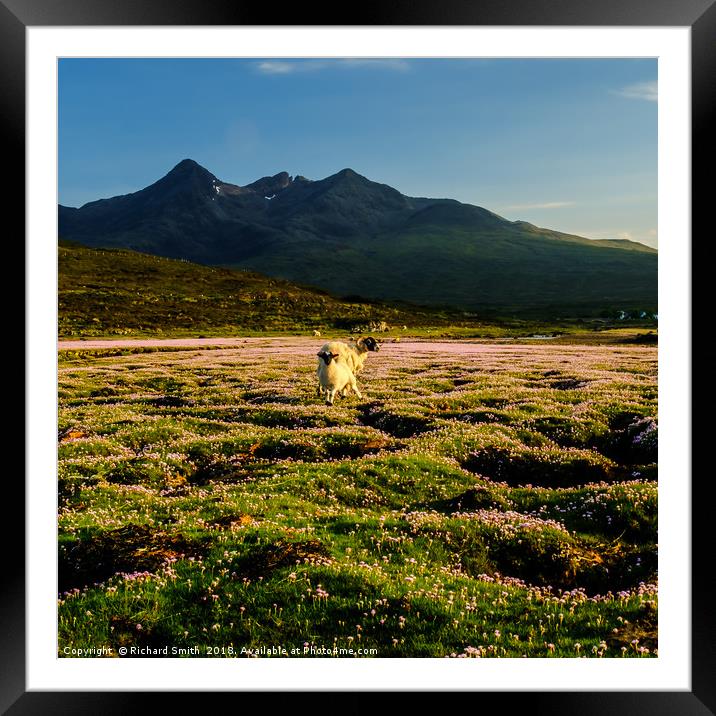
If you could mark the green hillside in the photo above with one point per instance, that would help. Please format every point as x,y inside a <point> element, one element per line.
<point>119,292</point>
<point>501,274</point>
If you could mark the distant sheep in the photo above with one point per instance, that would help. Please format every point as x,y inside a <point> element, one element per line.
<point>317,334</point>
<point>334,376</point>
<point>376,326</point>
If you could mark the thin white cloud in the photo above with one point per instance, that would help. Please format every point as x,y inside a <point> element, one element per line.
<point>641,90</point>
<point>544,205</point>
<point>275,67</point>
<point>284,67</point>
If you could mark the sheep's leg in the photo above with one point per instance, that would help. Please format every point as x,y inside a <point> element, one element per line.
<point>330,395</point>
<point>355,388</point>
<point>319,387</point>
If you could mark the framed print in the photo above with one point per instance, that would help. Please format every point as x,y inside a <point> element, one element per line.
<point>408,453</point>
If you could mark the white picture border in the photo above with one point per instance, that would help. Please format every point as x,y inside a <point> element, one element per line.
<point>671,670</point>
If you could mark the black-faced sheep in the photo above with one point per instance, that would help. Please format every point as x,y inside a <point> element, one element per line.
<point>353,354</point>
<point>334,376</point>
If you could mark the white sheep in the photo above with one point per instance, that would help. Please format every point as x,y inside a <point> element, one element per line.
<point>353,354</point>
<point>317,333</point>
<point>334,377</point>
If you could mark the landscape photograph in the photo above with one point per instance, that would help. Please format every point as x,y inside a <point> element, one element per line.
<point>357,358</point>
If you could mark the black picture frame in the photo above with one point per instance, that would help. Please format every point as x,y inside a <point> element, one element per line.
<point>699,15</point>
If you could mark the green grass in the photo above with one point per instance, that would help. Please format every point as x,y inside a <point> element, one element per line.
<point>498,502</point>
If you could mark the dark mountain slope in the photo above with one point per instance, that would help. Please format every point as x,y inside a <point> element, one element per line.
<point>350,235</point>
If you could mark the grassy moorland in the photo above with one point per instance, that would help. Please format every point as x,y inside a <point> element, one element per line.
<point>479,501</point>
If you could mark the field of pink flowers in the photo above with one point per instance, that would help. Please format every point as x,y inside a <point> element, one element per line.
<point>481,500</point>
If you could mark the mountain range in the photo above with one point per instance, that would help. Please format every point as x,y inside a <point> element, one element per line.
<point>355,237</point>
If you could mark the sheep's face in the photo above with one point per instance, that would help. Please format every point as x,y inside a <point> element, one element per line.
<point>371,344</point>
<point>326,356</point>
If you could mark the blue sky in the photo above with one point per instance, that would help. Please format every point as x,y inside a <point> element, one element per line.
<point>566,144</point>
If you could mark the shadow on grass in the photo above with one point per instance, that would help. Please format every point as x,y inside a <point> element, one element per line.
<point>398,425</point>
<point>262,560</point>
<point>534,467</point>
<point>129,549</point>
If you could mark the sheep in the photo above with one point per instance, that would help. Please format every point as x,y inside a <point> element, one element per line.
<point>317,333</point>
<point>353,354</point>
<point>334,376</point>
